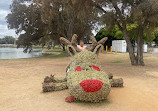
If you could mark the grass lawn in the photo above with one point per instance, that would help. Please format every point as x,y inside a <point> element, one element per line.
<point>60,55</point>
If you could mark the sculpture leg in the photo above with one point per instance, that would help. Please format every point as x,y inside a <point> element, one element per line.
<point>54,84</point>
<point>50,79</point>
<point>116,82</point>
<point>48,87</point>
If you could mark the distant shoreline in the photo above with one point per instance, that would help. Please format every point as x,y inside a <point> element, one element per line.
<point>15,46</point>
<point>8,45</point>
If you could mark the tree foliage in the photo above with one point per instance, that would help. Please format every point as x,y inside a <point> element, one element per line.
<point>42,22</point>
<point>7,40</point>
<point>114,34</point>
<point>26,20</point>
<point>156,36</point>
<point>117,34</point>
<point>126,12</point>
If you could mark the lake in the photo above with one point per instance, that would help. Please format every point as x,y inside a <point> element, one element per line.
<point>14,53</point>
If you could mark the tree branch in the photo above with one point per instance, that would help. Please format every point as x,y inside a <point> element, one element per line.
<point>118,12</point>
<point>119,25</point>
<point>100,8</point>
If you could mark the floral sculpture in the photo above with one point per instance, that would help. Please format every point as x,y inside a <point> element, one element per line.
<point>85,78</point>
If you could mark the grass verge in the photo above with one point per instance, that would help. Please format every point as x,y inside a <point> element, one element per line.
<point>62,54</point>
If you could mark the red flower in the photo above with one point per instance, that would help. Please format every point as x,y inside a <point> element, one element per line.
<point>78,68</point>
<point>70,99</point>
<point>96,67</point>
<point>91,85</point>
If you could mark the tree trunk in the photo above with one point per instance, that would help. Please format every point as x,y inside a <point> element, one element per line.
<point>130,47</point>
<point>63,46</point>
<point>140,43</point>
<point>70,31</point>
<point>53,44</point>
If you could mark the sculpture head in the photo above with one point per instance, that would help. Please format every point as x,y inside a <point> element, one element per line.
<point>86,80</point>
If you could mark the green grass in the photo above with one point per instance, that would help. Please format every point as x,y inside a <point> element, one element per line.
<point>117,61</point>
<point>53,50</point>
<point>62,54</point>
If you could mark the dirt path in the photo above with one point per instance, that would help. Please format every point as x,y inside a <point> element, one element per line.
<point>20,85</point>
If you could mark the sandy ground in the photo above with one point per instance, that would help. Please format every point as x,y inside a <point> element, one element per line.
<point>21,89</point>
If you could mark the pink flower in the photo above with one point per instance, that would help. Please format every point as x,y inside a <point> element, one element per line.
<point>78,68</point>
<point>91,85</point>
<point>96,67</point>
<point>70,99</point>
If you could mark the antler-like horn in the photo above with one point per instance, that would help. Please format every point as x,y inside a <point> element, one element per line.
<point>103,40</point>
<point>95,43</point>
<point>74,41</point>
<point>67,42</point>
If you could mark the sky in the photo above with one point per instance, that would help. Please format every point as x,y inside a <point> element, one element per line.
<point>4,10</point>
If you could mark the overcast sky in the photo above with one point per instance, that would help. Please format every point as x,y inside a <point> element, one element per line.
<point>4,10</point>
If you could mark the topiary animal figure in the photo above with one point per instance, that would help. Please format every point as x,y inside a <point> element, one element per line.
<point>85,78</point>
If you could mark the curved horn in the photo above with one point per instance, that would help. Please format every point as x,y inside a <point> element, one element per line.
<point>67,42</point>
<point>103,40</point>
<point>94,43</point>
<point>64,41</point>
<point>74,39</point>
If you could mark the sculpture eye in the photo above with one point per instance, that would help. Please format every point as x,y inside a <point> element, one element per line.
<point>78,68</point>
<point>85,69</point>
<point>95,67</point>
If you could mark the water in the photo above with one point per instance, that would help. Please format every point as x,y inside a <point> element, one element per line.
<point>14,53</point>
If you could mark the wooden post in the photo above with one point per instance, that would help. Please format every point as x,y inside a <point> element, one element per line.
<point>103,50</point>
<point>106,49</point>
<point>116,50</point>
<point>111,49</point>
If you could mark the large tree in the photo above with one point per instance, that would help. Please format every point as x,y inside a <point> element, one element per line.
<point>26,20</point>
<point>125,12</point>
<point>142,12</point>
<point>44,21</point>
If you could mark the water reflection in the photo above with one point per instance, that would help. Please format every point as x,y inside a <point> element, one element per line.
<point>14,53</point>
